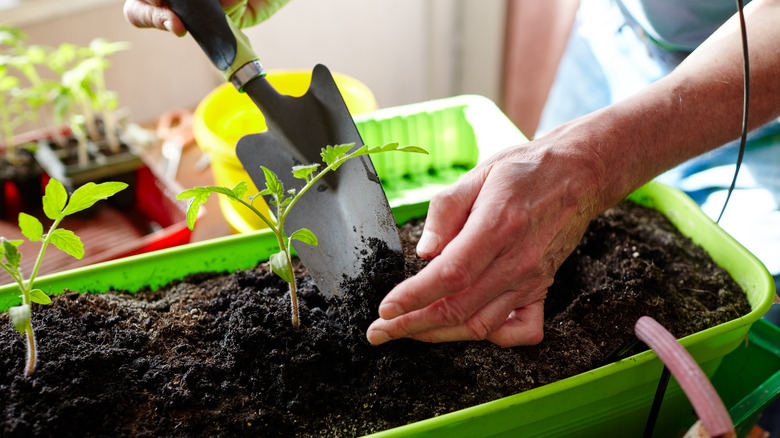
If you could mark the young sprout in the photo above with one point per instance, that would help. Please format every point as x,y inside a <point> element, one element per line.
<point>78,93</point>
<point>76,84</point>
<point>59,61</point>
<point>12,112</point>
<point>284,201</point>
<point>84,85</point>
<point>56,206</point>
<point>104,100</point>
<point>21,100</point>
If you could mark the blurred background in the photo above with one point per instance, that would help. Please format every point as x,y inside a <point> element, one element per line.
<point>405,50</point>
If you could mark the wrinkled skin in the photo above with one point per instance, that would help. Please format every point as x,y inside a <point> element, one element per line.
<point>496,238</point>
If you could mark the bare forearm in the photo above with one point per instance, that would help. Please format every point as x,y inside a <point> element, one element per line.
<point>694,109</point>
<point>497,236</point>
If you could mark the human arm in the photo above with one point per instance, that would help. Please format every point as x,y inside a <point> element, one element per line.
<point>154,13</point>
<point>497,236</point>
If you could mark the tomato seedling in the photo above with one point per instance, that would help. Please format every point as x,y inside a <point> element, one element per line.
<point>56,206</point>
<point>284,201</point>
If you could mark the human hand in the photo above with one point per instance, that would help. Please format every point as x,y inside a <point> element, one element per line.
<point>154,13</point>
<point>496,238</point>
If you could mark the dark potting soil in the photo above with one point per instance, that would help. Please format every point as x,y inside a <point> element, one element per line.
<point>215,355</point>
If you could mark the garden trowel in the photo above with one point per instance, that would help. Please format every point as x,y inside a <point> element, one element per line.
<point>348,210</point>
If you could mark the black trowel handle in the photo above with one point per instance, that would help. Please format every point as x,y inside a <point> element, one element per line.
<point>226,46</point>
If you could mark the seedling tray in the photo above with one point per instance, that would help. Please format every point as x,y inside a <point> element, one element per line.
<point>152,219</point>
<point>101,166</point>
<point>458,133</point>
<point>609,401</point>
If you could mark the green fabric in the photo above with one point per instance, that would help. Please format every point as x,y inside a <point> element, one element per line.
<point>238,17</point>
<point>261,11</point>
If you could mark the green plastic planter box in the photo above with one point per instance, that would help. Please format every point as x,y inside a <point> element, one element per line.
<point>610,401</point>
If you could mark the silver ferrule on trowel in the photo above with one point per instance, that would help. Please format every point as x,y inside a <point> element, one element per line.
<point>246,73</point>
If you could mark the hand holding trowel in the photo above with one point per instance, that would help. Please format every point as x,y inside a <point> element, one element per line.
<point>348,208</point>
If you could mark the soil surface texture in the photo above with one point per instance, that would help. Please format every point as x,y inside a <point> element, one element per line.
<point>216,354</point>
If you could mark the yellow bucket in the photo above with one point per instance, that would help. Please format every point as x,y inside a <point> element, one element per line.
<point>225,115</point>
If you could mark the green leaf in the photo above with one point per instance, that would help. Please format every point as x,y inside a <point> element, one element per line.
<point>20,317</point>
<point>11,35</point>
<point>189,193</point>
<point>280,266</point>
<point>377,149</point>
<point>62,103</point>
<point>36,54</point>
<point>60,58</point>
<point>272,183</point>
<point>199,197</point>
<point>304,172</point>
<point>413,149</point>
<point>102,47</point>
<point>12,255</point>
<point>54,200</point>
<point>8,82</point>
<point>31,227</point>
<point>306,236</point>
<point>74,78</point>
<point>363,150</point>
<point>240,189</point>
<point>388,147</point>
<point>90,193</point>
<point>68,242</point>
<point>15,243</point>
<point>236,192</point>
<point>331,154</point>
<point>38,296</point>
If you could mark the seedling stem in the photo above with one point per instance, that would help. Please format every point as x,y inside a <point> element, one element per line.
<point>284,201</point>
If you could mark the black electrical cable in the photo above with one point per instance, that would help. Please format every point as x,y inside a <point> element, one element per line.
<point>660,390</point>
<point>663,381</point>
<point>745,104</point>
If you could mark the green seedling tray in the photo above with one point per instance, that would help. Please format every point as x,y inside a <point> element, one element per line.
<point>609,401</point>
<point>458,133</point>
